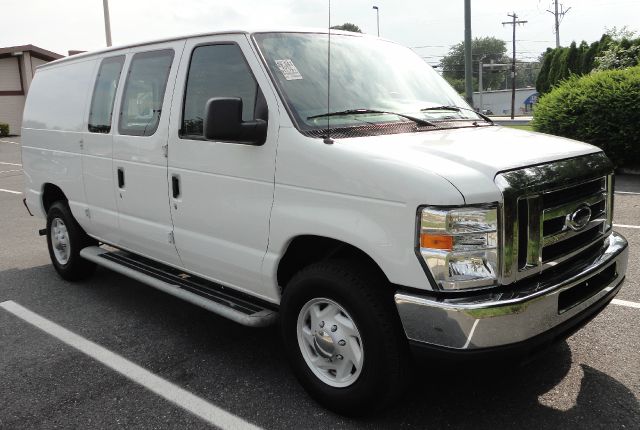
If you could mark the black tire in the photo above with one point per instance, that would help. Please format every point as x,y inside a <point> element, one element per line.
<point>75,267</point>
<point>368,299</point>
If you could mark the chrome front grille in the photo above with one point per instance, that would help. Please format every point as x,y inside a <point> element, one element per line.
<point>552,212</point>
<point>559,240</point>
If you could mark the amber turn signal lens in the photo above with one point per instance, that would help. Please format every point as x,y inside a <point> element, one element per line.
<point>436,241</point>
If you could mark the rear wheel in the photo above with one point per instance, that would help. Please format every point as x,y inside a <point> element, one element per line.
<point>65,239</point>
<point>343,337</point>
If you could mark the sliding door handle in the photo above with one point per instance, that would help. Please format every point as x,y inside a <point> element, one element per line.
<point>120,177</point>
<point>175,186</point>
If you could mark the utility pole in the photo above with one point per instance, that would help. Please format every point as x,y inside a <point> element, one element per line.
<point>558,14</point>
<point>514,22</point>
<point>107,21</point>
<point>480,65</point>
<point>468,71</point>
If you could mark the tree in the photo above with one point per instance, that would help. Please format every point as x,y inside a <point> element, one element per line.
<point>487,49</point>
<point>458,85</point>
<point>619,56</point>
<point>616,49</point>
<point>573,60</point>
<point>620,52</point>
<point>526,74</point>
<point>559,70</point>
<point>347,26</point>
<point>589,57</point>
<point>542,83</point>
<point>583,49</point>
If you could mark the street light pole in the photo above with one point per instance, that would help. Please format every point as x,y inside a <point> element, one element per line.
<point>107,21</point>
<point>378,18</point>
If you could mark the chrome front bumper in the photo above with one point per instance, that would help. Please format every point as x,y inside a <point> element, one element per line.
<point>498,319</point>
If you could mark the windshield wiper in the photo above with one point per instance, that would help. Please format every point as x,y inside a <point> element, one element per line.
<point>458,109</point>
<point>366,111</point>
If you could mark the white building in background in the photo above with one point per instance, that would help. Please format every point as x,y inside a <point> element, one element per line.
<point>499,102</point>
<point>17,66</point>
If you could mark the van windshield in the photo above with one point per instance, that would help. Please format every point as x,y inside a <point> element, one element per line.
<point>367,74</point>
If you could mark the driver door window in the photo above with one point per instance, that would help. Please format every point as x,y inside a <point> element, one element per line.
<point>218,71</point>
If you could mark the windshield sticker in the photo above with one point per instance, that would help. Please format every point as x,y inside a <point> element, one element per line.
<point>288,69</point>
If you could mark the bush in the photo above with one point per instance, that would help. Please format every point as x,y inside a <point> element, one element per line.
<point>602,108</point>
<point>4,129</point>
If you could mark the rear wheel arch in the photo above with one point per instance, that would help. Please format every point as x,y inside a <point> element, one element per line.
<point>51,193</point>
<point>65,240</point>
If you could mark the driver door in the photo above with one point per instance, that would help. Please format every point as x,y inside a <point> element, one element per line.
<point>222,191</point>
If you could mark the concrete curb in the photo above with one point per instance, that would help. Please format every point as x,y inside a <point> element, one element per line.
<point>508,121</point>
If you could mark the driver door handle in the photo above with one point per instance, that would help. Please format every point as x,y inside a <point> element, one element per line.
<point>175,186</point>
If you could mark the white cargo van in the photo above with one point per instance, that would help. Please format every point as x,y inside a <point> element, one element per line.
<point>391,219</point>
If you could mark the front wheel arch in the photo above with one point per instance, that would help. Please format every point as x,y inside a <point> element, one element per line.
<point>305,250</point>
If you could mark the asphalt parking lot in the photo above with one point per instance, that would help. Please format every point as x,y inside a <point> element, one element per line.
<point>187,367</point>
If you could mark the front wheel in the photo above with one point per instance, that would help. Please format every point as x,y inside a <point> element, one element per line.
<point>65,239</point>
<point>343,337</point>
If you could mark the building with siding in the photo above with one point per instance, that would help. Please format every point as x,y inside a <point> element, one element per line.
<point>17,67</point>
<point>499,102</point>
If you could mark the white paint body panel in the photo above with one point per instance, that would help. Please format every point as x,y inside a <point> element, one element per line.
<point>241,206</point>
<point>52,129</point>
<point>144,218</point>
<point>365,191</point>
<point>97,164</point>
<point>221,218</point>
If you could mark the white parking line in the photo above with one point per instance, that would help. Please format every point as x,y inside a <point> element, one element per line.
<point>627,192</point>
<point>10,164</point>
<point>7,171</point>
<point>626,303</point>
<point>184,399</point>
<point>626,226</point>
<point>10,191</point>
<point>9,141</point>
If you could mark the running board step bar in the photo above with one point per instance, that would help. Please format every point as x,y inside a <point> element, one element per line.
<point>234,305</point>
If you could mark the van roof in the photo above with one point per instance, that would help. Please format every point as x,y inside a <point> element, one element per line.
<point>212,33</point>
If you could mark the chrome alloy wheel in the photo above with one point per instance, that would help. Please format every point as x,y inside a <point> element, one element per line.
<point>330,342</point>
<point>60,241</point>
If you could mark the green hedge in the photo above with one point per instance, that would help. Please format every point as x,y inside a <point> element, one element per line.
<point>602,108</point>
<point>4,129</point>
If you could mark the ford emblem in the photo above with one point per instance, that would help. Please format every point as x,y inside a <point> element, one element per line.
<point>579,218</point>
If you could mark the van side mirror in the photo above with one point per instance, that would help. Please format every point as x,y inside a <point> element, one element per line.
<point>223,121</point>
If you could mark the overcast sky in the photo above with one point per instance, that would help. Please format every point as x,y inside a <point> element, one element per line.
<point>433,25</point>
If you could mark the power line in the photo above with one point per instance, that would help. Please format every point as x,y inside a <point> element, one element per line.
<point>514,23</point>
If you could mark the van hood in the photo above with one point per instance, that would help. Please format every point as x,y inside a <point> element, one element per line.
<point>470,158</point>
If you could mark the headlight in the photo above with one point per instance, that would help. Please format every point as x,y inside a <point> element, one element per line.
<point>459,246</point>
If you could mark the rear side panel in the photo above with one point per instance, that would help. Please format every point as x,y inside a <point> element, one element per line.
<point>54,119</point>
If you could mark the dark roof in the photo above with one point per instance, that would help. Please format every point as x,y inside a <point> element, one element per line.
<point>34,50</point>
